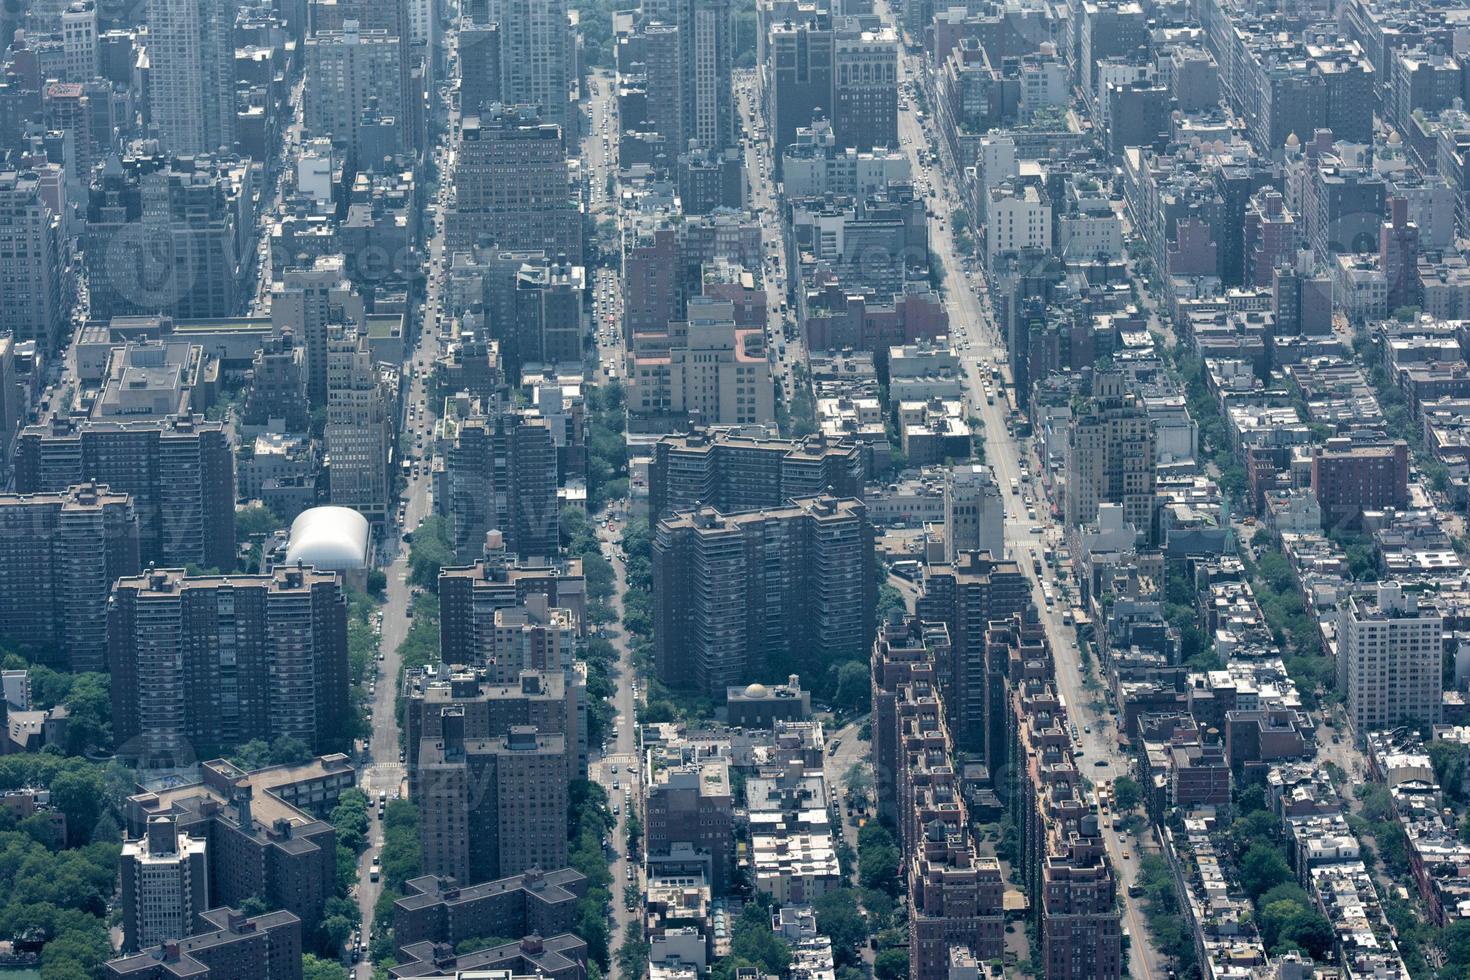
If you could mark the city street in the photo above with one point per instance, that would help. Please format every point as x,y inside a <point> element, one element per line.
<point>974,334</point>
<point>383,772</point>
<point>789,349</point>
<point>620,770</point>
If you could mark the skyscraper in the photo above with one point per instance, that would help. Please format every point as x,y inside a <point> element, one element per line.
<point>801,58</point>
<point>966,596</point>
<point>165,884</point>
<point>511,185</point>
<point>500,474</point>
<point>1063,860</point>
<point>346,72</point>
<point>702,31</point>
<point>359,432</point>
<point>201,664</point>
<point>59,555</point>
<point>759,593</point>
<point>30,262</point>
<point>491,807</point>
<point>306,301</point>
<point>179,472</point>
<point>731,472</point>
<point>1110,456</point>
<point>79,40</point>
<point>479,67</point>
<point>974,512</point>
<point>536,56</point>
<point>864,107</point>
<point>1390,663</point>
<point>192,74</point>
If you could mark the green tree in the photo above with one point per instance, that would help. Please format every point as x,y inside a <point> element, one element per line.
<point>316,968</point>
<point>878,867</point>
<point>838,918</point>
<point>1261,869</point>
<point>428,552</point>
<point>77,791</point>
<point>891,964</point>
<point>1126,793</point>
<point>853,689</point>
<point>1449,761</point>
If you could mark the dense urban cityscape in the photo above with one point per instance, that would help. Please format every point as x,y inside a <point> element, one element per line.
<point>734,489</point>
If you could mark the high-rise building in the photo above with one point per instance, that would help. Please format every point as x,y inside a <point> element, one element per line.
<point>278,384</point>
<point>548,322</point>
<point>801,57</point>
<point>67,110</point>
<point>436,909</point>
<point>692,804</point>
<point>762,592</point>
<point>236,947</point>
<point>179,472</point>
<point>347,72</point>
<point>731,472</point>
<point>307,301</point>
<point>191,213</point>
<point>716,374</point>
<point>31,269</point>
<point>974,512</point>
<point>260,840</point>
<point>59,555</point>
<point>479,67</point>
<point>165,884</point>
<point>664,83</point>
<point>211,662</point>
<point>469,595</point>
<point>966,596</point>
<point>553,702</point>
<point>500,475</point>
<point>79,40</point>
<point>957,895</point>
<point>688,48</point>
<point>1110,455</point>
<point>191,74</point>
<point>864,107</point>
<point>511,185</point>
<point>393,18</point>
<point>906,651</point>
<point>1390,659</point>
<point>1063,859</point>
<point>1352,475</point>
<point>359,431</point>
<point>536,56</point>
<point>491,807</point>
<point>1398,254</point>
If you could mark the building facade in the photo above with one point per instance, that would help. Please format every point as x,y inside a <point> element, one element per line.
<point>284,672</point>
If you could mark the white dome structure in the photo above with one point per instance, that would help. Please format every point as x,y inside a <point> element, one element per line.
<point>333,539</point>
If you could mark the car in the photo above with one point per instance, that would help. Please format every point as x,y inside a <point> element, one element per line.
<point>1101,763</point>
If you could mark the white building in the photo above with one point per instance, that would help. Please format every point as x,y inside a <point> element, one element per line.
<point>79,40</point>
<point>974,512</point>
<point>1359,288</point>
<point>719,375</point>
<point>191,74</point>
<point>814,165</point>
<point>165,885</point>
<point>359,433</point>
<point>1389,657</point>
<point>535,56</point>
<point>1018,219</point>
<point>1082,237</point>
